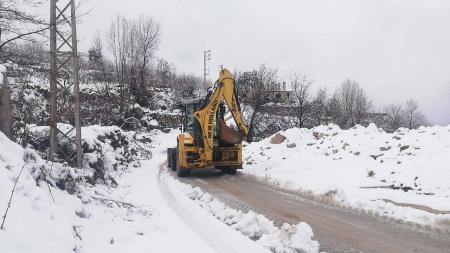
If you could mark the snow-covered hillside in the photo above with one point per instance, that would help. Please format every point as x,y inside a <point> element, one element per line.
<point>130,217</point>
<point>405,174</point>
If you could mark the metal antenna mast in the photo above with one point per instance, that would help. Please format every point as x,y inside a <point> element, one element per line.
<point>64,86</point>
<point>206,58</point>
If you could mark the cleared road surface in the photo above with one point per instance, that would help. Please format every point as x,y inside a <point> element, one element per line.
<point>336,229</point>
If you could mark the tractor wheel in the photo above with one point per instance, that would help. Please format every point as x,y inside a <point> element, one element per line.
<point>183,172</point>
<point>226,169</point>
<point>169,157</point>
<point>231,171</point>
<point>180,172</point>
<point>173,159</point>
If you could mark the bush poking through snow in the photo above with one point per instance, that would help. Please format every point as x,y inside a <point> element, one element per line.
<point>107,150</point>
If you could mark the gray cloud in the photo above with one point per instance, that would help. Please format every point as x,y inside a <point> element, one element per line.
<point>395,49</point>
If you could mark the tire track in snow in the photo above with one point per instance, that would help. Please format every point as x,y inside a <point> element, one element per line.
<point>218,235</point>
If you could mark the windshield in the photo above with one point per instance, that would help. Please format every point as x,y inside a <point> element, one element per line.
<point>190,109</point>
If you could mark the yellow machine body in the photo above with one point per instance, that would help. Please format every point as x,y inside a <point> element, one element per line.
<point>206,139</point>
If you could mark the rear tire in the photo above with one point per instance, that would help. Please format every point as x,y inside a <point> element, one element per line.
<point>231,171</point>
<point>227,170</point>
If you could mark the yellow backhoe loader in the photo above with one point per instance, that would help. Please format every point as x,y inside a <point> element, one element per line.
<point>206,140</point>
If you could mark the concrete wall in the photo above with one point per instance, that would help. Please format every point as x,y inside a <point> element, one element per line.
<point>5,108</point>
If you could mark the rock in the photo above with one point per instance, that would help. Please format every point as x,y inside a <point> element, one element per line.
<point>310,144</point>
<point>385,148</point>
<point>376,156</point>
<point>357,153</point>
<point>370,173</point>
<point>345,145</point>
<point>166,130</point>
<point>335,151</point>
<point>318,135</point>
<point>291,145</point>
<point>404,147</point>
<point>396,138</point>
<point>277,138</point>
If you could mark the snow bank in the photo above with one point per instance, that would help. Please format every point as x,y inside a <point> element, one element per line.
<point>34,218</point>
<point>403,174</point>
<point>297,238</point>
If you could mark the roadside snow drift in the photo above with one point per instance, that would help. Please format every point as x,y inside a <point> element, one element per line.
<point>288,239</point>
<point>405,174</point>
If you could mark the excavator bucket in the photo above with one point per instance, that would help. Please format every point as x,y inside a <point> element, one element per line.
<point>229,135</point>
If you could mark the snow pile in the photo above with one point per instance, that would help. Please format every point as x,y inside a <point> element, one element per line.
<point>34,218</point>
<point>402,174</point>
<point>290,238</point>
<point>297,238</point>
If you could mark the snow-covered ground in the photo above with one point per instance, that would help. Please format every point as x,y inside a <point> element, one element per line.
<point>404,175</point>
<point>131,217</point>
<point>147,211</point>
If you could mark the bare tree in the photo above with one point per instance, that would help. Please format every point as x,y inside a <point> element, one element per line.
<point>96,59</point>
<point>319,107</point>
<point>395,116</point>
<point>253,86</point>
<point>118,38</point>
<point>362,106</point>
<point>334,110</point>
<point>353,102</point>
<point>18,24</point>
<point>302,105</point>
<point>133,44</point>
<point>347,99</point>
<point>148,38</point>
<point>164,73</point>
<point>413,116</point>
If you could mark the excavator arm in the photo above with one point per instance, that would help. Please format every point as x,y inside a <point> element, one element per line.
<point>206,116</point>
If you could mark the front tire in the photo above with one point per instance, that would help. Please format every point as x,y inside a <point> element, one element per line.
<point>180,172</point>
<point>174,159</point>
<point>183,172</point>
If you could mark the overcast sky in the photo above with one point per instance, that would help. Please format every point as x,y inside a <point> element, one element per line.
<point>395,49</point>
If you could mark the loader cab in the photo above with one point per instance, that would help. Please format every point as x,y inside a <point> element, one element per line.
<point>190,125</point>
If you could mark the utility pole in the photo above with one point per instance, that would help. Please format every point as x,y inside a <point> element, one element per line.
<point>64,83</point>
<point>206,58</point>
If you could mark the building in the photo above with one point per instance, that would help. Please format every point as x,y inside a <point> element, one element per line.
<point>273,93</point>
